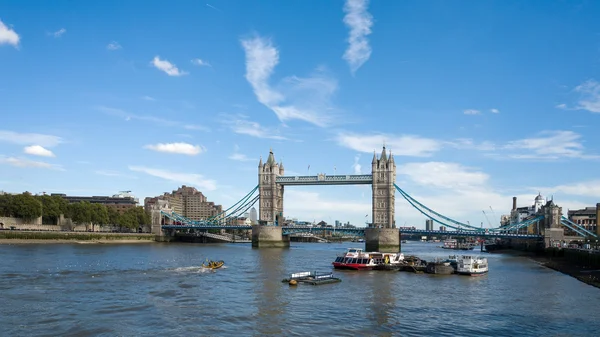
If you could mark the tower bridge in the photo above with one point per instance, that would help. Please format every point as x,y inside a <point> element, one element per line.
<point>544,221</point>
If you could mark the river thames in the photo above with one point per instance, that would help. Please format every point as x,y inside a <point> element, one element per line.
<point>160,289</point>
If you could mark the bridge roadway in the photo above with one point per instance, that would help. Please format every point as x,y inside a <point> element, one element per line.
<point>361,231</point>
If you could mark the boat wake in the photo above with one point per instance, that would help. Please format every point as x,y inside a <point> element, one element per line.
<point>192,269</point>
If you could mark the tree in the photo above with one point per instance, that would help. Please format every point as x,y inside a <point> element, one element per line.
<point>80,212</point>
<point>99,214</point>
<point>25,206</point>
<point>113,216</point>
<point>50,208</point>
<point>6,205</point>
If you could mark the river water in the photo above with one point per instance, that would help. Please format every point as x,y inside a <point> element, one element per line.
<point>160,290</point>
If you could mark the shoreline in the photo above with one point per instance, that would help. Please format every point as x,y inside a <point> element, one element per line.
<point>585,275</point>
<point>74,241</point>
<point>561,265</point>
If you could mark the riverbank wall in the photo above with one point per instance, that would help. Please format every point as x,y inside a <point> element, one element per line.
<point>42,237</point>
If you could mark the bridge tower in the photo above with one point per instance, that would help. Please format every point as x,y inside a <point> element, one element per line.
<point>267,233</point>
<point>382,235</point>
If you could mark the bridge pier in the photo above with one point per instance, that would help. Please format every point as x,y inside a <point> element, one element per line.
<point>385,240</point>
<point>269,237</point>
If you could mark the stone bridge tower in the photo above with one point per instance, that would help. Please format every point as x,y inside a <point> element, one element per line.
<point>384,192</point>
<point>271,193</point>
<point>382,235</point>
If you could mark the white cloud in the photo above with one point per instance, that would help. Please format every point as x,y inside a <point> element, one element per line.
<point>113,45</point>
<point>29,138</point>
<point>550,145</point>
<point>148,98</point>
<point>404,145</point>
<point>311,203</point>
<point>179,148</point>
<point>58,33</point>
<point>443,175</point>
<point>494,111</point>
<point>156,120</point>
<point>584,189</point>
<point>239,156</point>
<point>356,166</point>
<point>466,143</point>
<point>561,106</point>
<point>306,99</point>
<point>241,125</point>
<point>360,21</point>
<point>37,150</point>
<point>201,63</point>
<point>166,66</point>
<point>23,162</point>
<point>590,96</point>
<point>196,180</point>
<point>110,173</point>
<point>8,35</point>
<point>472,112</point>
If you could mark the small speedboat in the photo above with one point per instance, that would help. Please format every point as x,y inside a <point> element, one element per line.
<point>213,264</point>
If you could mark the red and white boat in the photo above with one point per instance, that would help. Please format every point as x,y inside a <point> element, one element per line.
<point>356,259</point>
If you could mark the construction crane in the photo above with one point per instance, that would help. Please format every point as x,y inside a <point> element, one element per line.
<point>488,220</point>
<point>494,213</point>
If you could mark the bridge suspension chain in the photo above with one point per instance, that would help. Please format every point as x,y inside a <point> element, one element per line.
<point>240,211</point>
<point>235,211</point>
<point>565,220</point>
<point>407,196</point>
<point>241,200</point>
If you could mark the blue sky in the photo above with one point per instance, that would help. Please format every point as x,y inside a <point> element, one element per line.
<point>478,100</point>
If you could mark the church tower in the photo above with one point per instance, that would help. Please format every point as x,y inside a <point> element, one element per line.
<point>271,193</point>
<point>384,194</point>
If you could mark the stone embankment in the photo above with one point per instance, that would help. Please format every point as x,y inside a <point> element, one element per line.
<point>13,237</point>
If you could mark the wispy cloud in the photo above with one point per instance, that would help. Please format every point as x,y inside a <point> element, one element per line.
<point>495,111</point>
<point>585,189</point>
<point>471,112</point>
<point>23,162</point>
<point>359,21</point>
<point>241,125</point>
<point>148,98</point>
<point>403,145</point>
<point>239,156</point>
<point>156,120</point>
<point>550,145</point>
<point>201,63</point>
<point>113,45</point>
<point>167,67</point>
<point>30,138</point>
<point>306,99</point>
<point>356,166</point>
<point>37,150</point>
<point>443,175</point>
<point>110,173</point>
<point>179,148</point>
<point>213,7</point>
<point>8,35</point>
<point>58,33</point>
<point>196,180</point>
<point>590,96</point>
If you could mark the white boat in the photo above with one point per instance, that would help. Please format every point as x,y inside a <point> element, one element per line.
<point>472,265</point>
<point>450,244</point>
<point>356,259</point>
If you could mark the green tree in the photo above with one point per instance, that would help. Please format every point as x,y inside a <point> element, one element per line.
<point>128,220</point>
<point>80,212</point>
<point>99,214</point>
<point>50,208</point>
<point>6,205</point>
<point>113,216</point>
<point>25,206</point>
